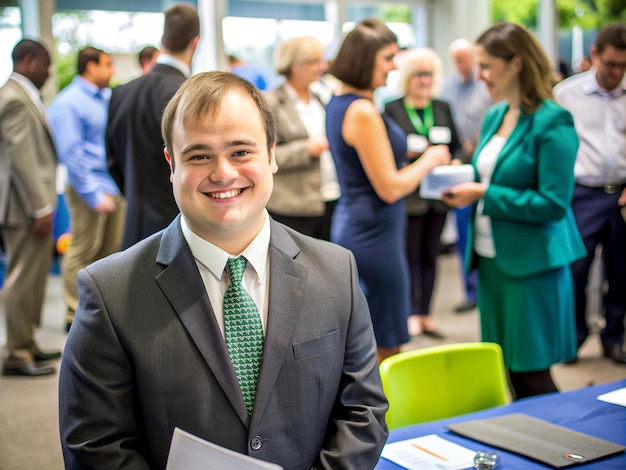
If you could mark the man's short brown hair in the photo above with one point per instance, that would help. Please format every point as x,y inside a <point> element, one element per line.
<point>202,94</point>
<point>611,35</point>
<point>182,24</point>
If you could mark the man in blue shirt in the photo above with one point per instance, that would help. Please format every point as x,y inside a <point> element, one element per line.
<point>250,72</point>
<point>78,116</point>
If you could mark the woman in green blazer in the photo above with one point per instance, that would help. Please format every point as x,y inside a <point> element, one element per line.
<point>523,234</point>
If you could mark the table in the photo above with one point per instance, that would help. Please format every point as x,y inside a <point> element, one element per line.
<point>578,410</point>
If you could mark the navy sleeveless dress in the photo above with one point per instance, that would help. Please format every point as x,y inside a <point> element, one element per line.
<point>372,229</point>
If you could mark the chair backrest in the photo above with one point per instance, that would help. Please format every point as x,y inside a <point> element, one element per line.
<point>439,382</point>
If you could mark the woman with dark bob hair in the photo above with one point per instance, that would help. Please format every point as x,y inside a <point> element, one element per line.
<point>523,236</point>
<point>369,152</point>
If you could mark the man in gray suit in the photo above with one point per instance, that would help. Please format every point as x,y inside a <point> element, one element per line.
<point>27,202</point>
<point>149,349</point>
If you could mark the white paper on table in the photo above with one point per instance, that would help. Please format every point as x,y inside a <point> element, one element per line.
<point>189,452</point>
<point>617,397</point>
<point>429,453</point>
<point>444,177</point>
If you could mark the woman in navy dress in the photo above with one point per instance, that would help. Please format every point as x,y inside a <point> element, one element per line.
<point>369,152</point>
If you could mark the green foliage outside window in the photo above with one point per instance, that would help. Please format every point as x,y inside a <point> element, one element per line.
<point>588,14</point>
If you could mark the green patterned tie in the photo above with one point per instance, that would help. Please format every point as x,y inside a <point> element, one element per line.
<point>243,331</point>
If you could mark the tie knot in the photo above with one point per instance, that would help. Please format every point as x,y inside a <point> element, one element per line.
<point>236,268</point>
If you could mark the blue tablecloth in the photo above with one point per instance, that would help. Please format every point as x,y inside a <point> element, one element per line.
<point>579,410</point>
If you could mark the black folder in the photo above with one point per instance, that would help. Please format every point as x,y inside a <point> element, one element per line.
<point>537,439</point>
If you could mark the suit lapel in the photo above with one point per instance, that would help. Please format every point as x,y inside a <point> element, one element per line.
<point>290,109</point>
<point>490,127</point>
<point>34,109</point>
<point>399,114</point>
<point>512,143</point>
<point>287,282</point>
<point>182,284</point>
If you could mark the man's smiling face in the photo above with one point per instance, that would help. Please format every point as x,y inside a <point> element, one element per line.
<point>223,172</point>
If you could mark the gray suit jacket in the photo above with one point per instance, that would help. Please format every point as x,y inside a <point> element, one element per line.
<point>145,354</point>
<point>298,180</point>
<point>27,158</point>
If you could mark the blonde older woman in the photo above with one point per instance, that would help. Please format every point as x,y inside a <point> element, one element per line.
<point>426,121</point>
<point>305,187</point>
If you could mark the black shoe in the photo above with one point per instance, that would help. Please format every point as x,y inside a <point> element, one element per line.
<point>616,353</point>
<point>433,334</point>
<point>31,370</point>
<point>465,306</point>
<point>43,356</point>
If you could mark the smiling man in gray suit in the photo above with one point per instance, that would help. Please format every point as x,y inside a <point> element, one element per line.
<point>150,351</point>
<point>27,201</point>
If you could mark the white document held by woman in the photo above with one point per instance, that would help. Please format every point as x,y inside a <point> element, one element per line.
<point>442,178</point>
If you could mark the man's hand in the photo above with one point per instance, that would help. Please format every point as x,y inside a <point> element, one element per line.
<point>622,199</point>
<point>315,145</point>
<point>42,227</point>
<point>106,206</point>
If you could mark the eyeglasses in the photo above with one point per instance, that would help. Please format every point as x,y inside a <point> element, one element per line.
<point>423,74</point>
<point>613,65</point>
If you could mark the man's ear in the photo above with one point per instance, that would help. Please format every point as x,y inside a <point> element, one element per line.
<point>170,162</point>
<point>273,163</point>
<point>594,54</point>
<point>194,44</point>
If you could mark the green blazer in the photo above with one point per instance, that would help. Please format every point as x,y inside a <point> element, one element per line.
<point>529,196</point>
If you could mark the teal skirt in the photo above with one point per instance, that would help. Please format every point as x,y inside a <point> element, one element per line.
<point>531,318</point>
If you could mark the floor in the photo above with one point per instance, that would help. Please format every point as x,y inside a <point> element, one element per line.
<point>29,437</point>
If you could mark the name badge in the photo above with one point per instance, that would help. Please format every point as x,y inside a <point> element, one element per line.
<point>439,135</point>
<point>416,143</point>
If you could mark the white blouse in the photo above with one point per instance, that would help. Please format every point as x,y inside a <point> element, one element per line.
<point>486,160</point>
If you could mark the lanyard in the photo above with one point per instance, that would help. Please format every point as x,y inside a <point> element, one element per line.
<point>420,126</point>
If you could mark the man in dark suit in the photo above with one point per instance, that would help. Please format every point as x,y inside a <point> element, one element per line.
<point>27,201</point>
<point>133,136</point>
<point>151,349</point>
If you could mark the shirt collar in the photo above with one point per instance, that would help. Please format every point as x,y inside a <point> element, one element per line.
<point>292,94</point>
<point>469,81</point>
<point>91,88</point>
<point>214,258</point>
<point>28,86</point>
<point>591,86</point>
<point>172,61</point>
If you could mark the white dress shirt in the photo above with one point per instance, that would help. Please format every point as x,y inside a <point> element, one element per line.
<point>211,261</point>
<point>172,61</point>
<point>313,117</point>
<point>600,120</point>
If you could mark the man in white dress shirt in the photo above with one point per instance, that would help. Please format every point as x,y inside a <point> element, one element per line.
<point>597,100</point>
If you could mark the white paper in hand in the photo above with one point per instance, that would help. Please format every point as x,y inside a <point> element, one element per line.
<point>444,177</point>
<point>189,452</point>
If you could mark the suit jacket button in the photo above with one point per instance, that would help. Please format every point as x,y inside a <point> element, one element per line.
<point>256,443</point>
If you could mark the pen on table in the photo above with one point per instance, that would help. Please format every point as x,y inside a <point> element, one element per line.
<point>423,449</point>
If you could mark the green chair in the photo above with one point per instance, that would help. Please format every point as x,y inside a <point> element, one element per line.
<point>439,382</point>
